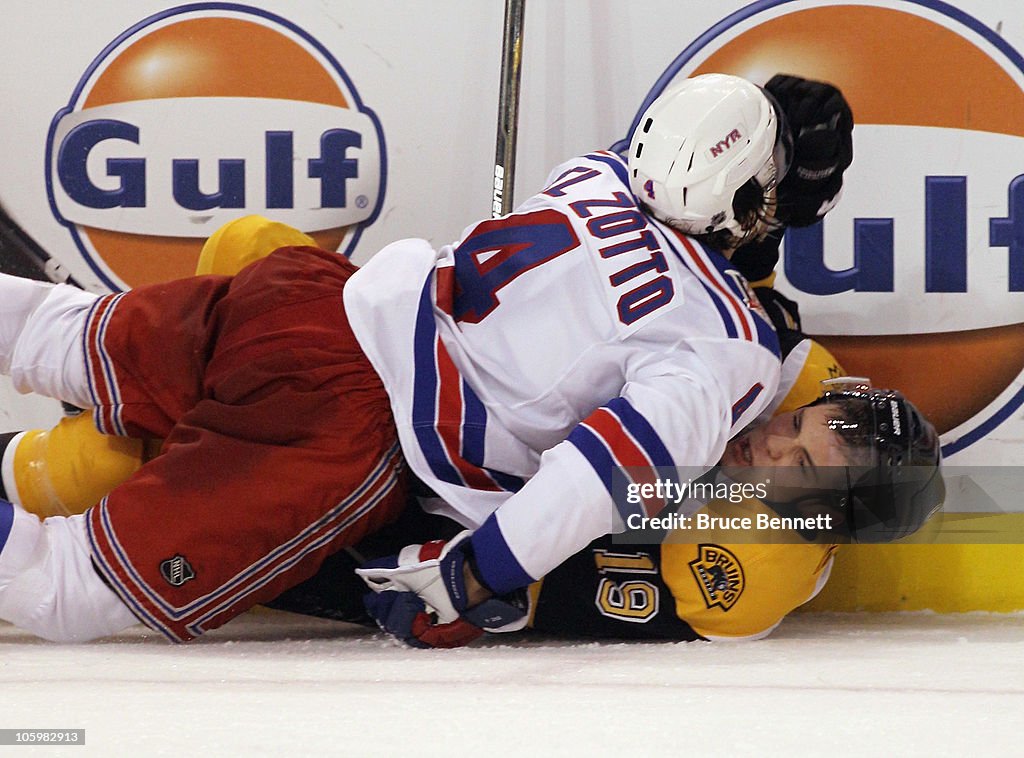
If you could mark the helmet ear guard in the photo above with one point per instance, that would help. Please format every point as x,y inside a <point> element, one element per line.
<point>888,505</point>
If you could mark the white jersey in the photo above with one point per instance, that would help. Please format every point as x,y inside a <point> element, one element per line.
<point>544,349</point>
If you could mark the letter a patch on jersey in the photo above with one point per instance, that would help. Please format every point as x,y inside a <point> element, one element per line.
<point>719,576</point>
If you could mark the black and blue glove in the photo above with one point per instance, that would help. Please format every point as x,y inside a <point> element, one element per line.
<point>419,597</point>
<point>821,123</point>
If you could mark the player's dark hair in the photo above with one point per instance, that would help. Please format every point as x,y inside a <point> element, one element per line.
<point>753,207</point>
<point>853,421</point>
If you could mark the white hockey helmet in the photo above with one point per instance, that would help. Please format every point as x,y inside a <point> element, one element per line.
<point>698,143</point>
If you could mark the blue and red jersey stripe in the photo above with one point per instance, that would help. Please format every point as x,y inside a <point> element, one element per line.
<point>449,420</point>
<point>617,437</point>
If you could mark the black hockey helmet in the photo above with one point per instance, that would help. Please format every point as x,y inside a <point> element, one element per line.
<point>901,486</point>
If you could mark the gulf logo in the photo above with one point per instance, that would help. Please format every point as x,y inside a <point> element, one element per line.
<point>916,279</point>
<point>200,114</point>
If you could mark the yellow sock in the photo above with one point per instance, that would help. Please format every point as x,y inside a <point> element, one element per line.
<point>67,469</point>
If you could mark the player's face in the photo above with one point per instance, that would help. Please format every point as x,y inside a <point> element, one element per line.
<point>795,450</point>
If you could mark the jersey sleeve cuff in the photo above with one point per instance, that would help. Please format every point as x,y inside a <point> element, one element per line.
<point>498,567</point>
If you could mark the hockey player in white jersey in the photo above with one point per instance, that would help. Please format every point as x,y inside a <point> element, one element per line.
<point>600,326</point>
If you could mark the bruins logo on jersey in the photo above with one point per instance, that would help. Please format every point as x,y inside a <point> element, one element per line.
<point>719,576</point>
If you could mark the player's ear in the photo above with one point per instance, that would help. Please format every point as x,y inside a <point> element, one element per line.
<point>245,240</point>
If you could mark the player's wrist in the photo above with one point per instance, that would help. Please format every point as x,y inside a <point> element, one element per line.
<point>476,590</point>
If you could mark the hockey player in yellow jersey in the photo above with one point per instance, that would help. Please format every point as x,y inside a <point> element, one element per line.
<point>702,584</point>
<point>706,584</point>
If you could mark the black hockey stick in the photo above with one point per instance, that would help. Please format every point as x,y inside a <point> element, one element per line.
<point>508,109</point>
<point>20,255</point>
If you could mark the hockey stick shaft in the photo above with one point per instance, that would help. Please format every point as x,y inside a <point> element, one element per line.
<point>20,255</point>
<point>508,109</point>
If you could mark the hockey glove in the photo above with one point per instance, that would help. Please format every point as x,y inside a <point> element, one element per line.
<point>822,126</point>
<point>419,597</point>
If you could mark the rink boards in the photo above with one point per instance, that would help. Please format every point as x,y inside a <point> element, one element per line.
<point>954,570</point>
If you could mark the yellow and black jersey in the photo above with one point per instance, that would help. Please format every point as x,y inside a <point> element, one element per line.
<point>678,591</point>
<point>670,591</point>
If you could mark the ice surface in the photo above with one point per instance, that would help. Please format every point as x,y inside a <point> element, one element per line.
<point>276,684</point>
